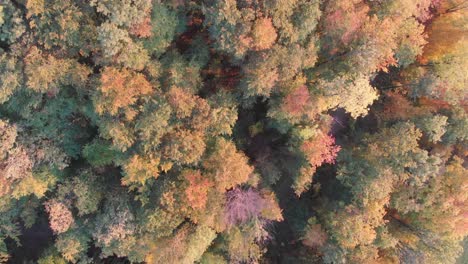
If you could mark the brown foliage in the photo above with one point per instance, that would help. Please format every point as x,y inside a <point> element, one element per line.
<point>397,106</point>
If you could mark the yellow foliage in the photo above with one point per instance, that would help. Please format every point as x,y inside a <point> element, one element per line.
<point>228,166</point>
<point>139,169</point>
<point>446,32</point>
<point>34,7</point>
<point>263,33</point>
<point>271,210</point>
<point>37,184</point>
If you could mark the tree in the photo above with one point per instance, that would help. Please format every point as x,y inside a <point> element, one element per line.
<point>122,136</point>
<point>197,190</point>
<point>295,102</point>
<point>263,34</point>
<point>8,135</point>
<point>183,146</point>
<point>443,218</point>
<point>45,73</point>
<point>261,76</point>
<point>60,217</point>
<point>100,153</point>
<point>120,89</point>
<point>12,26</point>
<point>411,42</point>
<point>11,79</point>
<point>83,193</point>
<point>306,19</point>
<point>114,227</point>
<point>63,25</point>
<point>182,102</point>
<point>226,165</point>
<point>112,39</point>
<point>243,131</point>
<point>242,206</point>
<point>354,95</point>
<point>433,127</point>
<point>51,256</point>
<point>139,169</point>
<point>439,75</point>
<point>165,25</point>
<point>247,205</point>
<point>72,245</point>
<point>317,150</point>
<point>226,21</point>
<point>198,243</point>
<point>314,236</point>
<point>123,13</point>
<point>342,22</point>
<point>193,240</point>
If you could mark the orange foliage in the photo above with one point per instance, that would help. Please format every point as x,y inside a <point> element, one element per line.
<point>181,101</point>
<point>389,61</point>
<point>445,33</point>
<point>120,88</point>
<point>142,29</point>
<point>198,188</point>
<point>184,146</point>
<point>317,150</point>
<point>320,149</point>
<point>200,119</point>
<point>263,33</point>
<point>434,104</point>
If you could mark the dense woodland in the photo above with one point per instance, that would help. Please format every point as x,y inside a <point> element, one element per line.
<point>233,131</point>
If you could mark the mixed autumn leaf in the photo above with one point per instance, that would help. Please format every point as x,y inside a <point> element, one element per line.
<point>233,131</point>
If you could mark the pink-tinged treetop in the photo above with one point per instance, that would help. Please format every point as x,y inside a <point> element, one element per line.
<point>60,217</point>
<point>242,205</point>
<point>295,102</point>
<point>320,149</point>
<point>344,19</point>
<point>245,205</point>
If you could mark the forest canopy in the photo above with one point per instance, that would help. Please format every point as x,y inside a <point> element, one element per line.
<point>233,131</point>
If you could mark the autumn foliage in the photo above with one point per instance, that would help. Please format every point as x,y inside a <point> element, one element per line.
<point>120,89</point>
<point>233,131</point>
